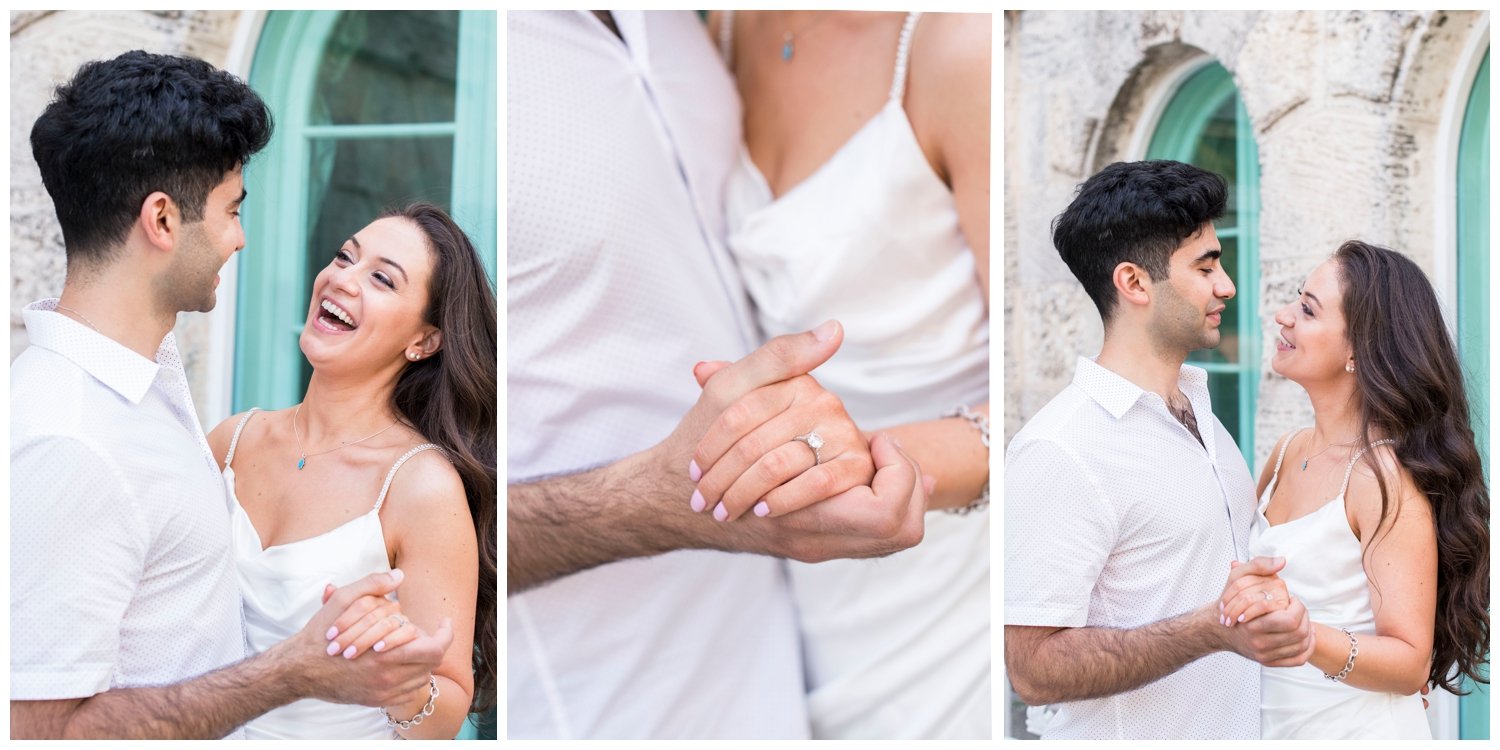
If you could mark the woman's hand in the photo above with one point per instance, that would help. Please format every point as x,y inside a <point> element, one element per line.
<point>1246,591</point>
<point>369,625</point>
<point>749,459</point>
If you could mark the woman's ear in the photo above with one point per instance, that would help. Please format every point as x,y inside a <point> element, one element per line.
<point>431,343</point>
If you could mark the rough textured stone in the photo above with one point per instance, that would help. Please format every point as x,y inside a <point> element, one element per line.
<point>1346,108</point>
<point>45,50</point>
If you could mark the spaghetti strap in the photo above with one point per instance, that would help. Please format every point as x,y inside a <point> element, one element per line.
<point>235,441</point>
<point>397,466</point>
<point>1276,472</point>
<point>1348,470</point>
<point>726,38</point>
<point>903,54</point>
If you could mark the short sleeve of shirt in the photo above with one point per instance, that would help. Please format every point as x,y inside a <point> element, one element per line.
<point>1059,532</point>
<point>77,553</point>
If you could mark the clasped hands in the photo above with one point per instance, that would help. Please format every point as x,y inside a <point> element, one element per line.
<point>1259,619</point>
<point>854,496</point>
<point>357,620</point>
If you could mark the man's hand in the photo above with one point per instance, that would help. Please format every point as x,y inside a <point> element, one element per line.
<point>872,521</point>
<point>377,679</point>
<point>748,458</point>
<point>1283,638</point>
<point>1246,591</point>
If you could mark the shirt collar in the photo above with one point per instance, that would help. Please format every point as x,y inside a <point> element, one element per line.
<point>1116,394</point>
<point>115,365</point>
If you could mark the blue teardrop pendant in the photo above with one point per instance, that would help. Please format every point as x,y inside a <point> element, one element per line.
<point>786,49</point>
<point>301,462</point>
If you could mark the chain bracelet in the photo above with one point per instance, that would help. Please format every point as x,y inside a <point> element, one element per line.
<point>1348,665</point>
<point>981,423</point>
<point>426,711</point>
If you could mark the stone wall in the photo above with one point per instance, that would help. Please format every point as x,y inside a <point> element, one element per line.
<point>46,47</point>
<point>1346,108</point>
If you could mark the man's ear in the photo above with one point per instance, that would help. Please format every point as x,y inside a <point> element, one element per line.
<point>160,221</point>
<point>1133,284</point>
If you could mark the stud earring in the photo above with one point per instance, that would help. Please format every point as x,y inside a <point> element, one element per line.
<point>1348,367</point>
<point>412,356</point>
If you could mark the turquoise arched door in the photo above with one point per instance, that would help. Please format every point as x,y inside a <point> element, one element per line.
<point>373,109</point>
<point>1205,125</point>
<point>1474,312</point>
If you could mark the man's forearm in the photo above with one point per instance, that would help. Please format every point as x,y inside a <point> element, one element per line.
<point>1081,663</point>
<point>563,525</point>
<point>206,707</point>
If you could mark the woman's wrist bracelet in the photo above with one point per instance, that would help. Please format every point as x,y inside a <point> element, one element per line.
<point>981,423</point>
<point>1348,665</point>
<point>432,695</point>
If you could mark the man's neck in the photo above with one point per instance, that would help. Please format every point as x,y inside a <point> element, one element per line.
<point>1131,354</point>
<point>119,309</point>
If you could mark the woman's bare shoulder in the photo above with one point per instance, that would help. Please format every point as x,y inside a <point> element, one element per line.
<point>1403,502</point>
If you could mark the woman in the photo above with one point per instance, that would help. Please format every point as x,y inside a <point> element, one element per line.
<point>388,462</point>
<point>862,194</point>
<point>1381,511</point>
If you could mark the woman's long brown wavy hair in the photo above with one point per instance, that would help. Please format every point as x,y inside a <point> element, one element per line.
<point>1412,389</point>
<point>451,400</point>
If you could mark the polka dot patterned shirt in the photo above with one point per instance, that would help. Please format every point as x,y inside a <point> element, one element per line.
<point>120,568</point>
<point>1117,517</point>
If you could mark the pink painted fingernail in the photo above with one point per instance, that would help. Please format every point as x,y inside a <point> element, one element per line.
<point>694,473</point>
<point>720,512</point>
<point>697,502</point>
<point>349,653</point>
<point>379,646</point>
<point>825,332</point>
<point>333,648</point>
<point>332,633</point>
<point>762,510</point>
<point>1242,619</point>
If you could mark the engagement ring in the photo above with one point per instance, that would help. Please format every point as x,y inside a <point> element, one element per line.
<point>814,441</point>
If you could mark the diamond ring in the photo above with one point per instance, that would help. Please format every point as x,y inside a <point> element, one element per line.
<point>1269,596</point>
<point>814,441</point>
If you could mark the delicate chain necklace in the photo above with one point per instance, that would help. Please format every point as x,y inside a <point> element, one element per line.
<point>1306,458</point>
<point>787,37</point>
<point>302,458</point>
<point>82,317</point>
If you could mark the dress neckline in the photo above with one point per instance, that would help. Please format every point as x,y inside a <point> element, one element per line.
<point>260,542</point>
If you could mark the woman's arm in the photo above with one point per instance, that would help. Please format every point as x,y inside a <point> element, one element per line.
<point>431,535</point>
<point>950,451</point>
<point>1400,559</point>
<point>948,100</point>
<point>949,96</point>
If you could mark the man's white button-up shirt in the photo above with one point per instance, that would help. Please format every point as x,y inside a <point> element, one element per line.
<point>618,281</point>
<point>1117,517</point>
<point>120,567</point>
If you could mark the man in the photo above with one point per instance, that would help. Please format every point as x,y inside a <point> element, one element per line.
<point>125,613</point>
<point>626,618</point>
<point>1126,499</point>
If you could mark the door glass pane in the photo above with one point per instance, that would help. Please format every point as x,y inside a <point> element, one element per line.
<point>388,67</point>
<point>1224,389</point>
<point>1215,152</point>
<point>351,181</point>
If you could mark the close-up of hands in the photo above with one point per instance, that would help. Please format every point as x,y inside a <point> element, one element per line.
<point>353,620</point>
<point>760,453</point>
<point>1266,623</point>
<point>747,451</point>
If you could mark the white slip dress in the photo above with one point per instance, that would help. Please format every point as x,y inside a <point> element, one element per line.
<point>282,588</point>
<point>1325,570</point>
<point>896,647</point>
